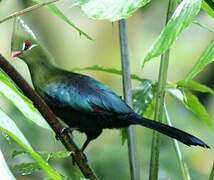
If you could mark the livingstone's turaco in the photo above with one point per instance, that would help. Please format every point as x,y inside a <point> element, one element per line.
<point>80,101</point>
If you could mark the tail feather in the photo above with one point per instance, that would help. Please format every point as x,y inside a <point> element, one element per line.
<point>170,131</point>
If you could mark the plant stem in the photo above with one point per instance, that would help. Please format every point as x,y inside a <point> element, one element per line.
<point>26,10</point>
<point>50,117</point>
<point>212,173</point>
<point>154,161</point>
<point>183,166</point>
<point>127,91</point>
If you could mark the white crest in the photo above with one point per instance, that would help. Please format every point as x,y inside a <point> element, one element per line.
<point>26,28</point>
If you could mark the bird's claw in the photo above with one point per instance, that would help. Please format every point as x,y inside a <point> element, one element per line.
<point>65,130</point>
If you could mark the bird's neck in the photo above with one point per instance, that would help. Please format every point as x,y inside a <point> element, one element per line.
<point>41,69</point>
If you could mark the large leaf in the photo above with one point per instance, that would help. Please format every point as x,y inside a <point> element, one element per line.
<point>54,9</point>
<point>142,97</point>
<point>208,7</point>
<point>180,19</point>
<point>206,58</point>
<point>8,127</point>
<point>5,171</point>
<point>194,85</point>
<point>108,70</point>
<point>111,10</point>
<point>10,91</point>
<point>192,103</point>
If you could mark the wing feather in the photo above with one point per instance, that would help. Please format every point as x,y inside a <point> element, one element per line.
<point>86,94</point>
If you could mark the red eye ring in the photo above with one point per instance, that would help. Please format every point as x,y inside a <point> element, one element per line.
<point>27,45</point>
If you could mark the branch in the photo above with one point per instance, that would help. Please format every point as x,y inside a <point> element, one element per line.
<point>31,8</point>
<point>50,117</point>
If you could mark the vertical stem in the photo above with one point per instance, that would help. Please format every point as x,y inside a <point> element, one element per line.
<point>212,173</point>
<point>183,166</point>
<point>127,90</point>
<point>154,161</point>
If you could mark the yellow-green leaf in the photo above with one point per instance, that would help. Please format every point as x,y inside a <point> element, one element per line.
<point>180,19</point>
<point>8,127</point>
<point>206,58</point>
<point>194,85</point>
<point>208,7</point>
<point>4,169</point>
<point>192,103</point>
<point>10,91</point>
<point>54,9</point>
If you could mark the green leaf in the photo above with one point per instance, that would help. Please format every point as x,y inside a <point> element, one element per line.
<point>208,7</point>
<point>124,135</point>
<point>45,154</point>
<point>142,97</point>
<point>108,70</point>
<point>211,177</point>
<point>192,103</point>
<point>54,9</point>
<point>206,58</point>
<point>109,10</point>
<point>54,155</point>
<point>195,86</point>
<point>8,127</point>
<point>151,108</point>
<point>180,19</point>
<point>4,169</point>
<point>10,91</point>
<point>26,168</point>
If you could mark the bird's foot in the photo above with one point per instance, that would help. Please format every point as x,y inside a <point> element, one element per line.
<point>65,130</point>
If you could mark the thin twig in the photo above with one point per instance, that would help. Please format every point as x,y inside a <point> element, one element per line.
<point>31,8</point>
<point>183,166</point>
<point>50,117</point>
<point>127,90</point>
<point>155,150</point>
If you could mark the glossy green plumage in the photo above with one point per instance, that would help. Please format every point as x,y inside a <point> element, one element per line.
<point>83,93</point>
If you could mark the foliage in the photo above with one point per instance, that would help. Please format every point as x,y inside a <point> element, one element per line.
<point>110,10</point>
<point>143,95</point>
<point>206,58</point>
<point>180,19</point>
<point>9,128</point>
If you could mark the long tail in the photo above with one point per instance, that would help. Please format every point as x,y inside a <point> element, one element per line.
<point>172,132</point>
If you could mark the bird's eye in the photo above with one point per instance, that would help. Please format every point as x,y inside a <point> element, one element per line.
<point>27,44</point>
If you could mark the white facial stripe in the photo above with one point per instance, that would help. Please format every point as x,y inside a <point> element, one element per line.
<point>32,46</point>
<point>23,46</point>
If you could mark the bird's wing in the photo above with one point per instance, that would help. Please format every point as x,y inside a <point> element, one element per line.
<point>85,95</point>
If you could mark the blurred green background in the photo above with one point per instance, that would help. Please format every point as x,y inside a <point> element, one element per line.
<point>106,154</point>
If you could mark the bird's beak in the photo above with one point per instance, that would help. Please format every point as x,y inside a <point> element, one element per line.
<point>15,53</point>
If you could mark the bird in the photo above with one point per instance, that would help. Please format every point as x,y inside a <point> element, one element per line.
<point>82,102</point>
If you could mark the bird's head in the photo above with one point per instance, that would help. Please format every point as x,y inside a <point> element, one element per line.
<point>24,42</point>
<point>27,48</point>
